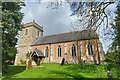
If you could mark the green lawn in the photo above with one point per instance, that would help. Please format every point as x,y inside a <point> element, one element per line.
<point>58,71</point>
<point>0,74</point>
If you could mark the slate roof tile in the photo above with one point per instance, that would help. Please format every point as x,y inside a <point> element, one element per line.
<point>65,37</point>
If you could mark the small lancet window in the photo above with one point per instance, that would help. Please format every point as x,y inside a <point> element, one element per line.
<point>73,50</point>
<point>59,51</point>
<point>26,31</point>
<point>46,52</point>
<point>38,33</point>
<point>90,49</point>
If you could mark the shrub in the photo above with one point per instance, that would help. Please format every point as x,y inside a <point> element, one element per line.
<point>22,61</point>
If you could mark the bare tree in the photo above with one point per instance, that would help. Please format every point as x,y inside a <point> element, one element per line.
<point>89,14</point>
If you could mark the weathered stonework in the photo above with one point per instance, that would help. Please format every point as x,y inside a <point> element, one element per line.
<point>82,53</point>
<point>26,40</point>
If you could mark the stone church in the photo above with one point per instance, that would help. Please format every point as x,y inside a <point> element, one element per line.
<point>75,47</point>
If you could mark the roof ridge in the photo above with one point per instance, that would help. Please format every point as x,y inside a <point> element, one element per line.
<point>66,33</point>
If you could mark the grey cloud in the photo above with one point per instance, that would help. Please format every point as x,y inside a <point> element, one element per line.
<point>53,21</point>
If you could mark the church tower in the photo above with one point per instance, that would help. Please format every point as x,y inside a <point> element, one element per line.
<point>30,32</point>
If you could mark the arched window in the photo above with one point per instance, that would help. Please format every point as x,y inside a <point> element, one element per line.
<point>73,50</point>
<point>59,51</point>
<point>46,52</point>
<point>90,49</point>
<point>26,31</point>
<point>37,33</point>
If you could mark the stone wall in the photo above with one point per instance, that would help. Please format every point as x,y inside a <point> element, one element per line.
<point>25,41</point>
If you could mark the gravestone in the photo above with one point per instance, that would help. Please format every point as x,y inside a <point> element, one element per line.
<point>62,61</point>
<point>109,74</point>
<point>34,63</point>
<point>28,64</point>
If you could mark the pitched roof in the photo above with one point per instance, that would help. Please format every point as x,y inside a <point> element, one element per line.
<point>38,52</point>
<point>65,37</point>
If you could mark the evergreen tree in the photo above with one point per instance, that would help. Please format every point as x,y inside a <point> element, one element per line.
<point>117,27</point>
<point>11,24</point>
<point>114,55</point>
<point>117,33</point>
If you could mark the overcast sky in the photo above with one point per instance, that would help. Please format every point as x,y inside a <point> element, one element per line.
<point>53,21</point>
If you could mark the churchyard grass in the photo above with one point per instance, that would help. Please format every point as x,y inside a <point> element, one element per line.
<point>0,75</point>
<point>58,71</point>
